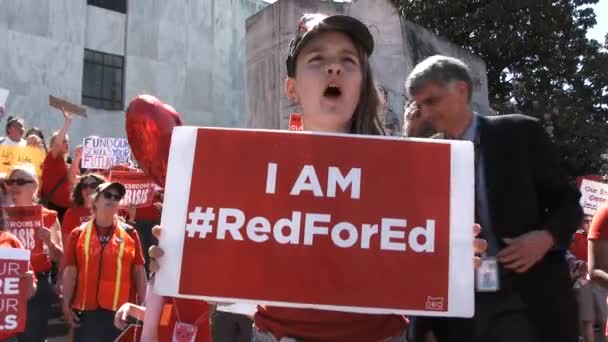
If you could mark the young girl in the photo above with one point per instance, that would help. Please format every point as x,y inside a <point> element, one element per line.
<point>330,78</point>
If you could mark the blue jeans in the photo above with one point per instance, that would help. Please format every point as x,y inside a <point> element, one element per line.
<point>38,311</point>
<point>96,326</point>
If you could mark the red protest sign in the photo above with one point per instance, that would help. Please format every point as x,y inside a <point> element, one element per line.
<point>140,188</point>
<point>295,122</point>
<point>13,291</point>
<point>250,220</point>
<point>25,223</point>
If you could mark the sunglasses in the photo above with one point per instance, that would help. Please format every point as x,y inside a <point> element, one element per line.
<point>19,181</point>
<point>89,185</point>
<point>109,195</point>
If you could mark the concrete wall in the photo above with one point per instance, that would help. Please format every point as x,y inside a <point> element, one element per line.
<point>399,46</point>
<point>190,54</point>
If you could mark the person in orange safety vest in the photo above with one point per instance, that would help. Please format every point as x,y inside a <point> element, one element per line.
<point>104,263</point>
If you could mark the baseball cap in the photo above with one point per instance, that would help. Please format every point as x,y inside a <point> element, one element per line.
<point>111,185</point>
<point>12,119</point>
<point>311,24</point>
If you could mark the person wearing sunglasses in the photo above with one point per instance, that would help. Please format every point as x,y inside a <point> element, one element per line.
<point>104,265</point>
<point>80,212</point>
<point>22,186</point>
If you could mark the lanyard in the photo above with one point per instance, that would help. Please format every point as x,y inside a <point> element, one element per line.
<point>179,319</point>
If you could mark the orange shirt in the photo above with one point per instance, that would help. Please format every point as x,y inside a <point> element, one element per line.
<point>317,325</point>
<point>41,261</point>
<point>53,170</point>
<point>598,229</point>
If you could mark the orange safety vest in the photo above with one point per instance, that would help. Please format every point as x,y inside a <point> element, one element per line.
<point>104,272</point>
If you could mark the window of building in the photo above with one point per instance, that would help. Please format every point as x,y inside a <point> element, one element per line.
<point>102,80</point>
<point>112,5</point>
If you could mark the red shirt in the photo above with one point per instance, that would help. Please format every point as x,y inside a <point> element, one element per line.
<point>70,249</point>
<point>74,218</point>
<point>598,230</point>
<point>317,325</point>
<point>578,247</point>
<point>53,170</point>
<point>149,213</point>
<point>195,312</point>
<point>41,261</point>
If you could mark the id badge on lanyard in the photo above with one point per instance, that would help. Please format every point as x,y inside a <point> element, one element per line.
<point>487,279</point>
<point>184,332</point>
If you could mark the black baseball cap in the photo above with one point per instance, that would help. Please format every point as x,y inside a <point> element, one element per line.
<point>111,185</point>
<point>312,24</point>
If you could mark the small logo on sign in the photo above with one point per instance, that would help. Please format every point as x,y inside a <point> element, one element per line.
<point>434,303</point>
<point>295,122</point>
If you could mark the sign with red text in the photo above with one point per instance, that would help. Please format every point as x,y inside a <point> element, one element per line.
<point>140,188</point>
<point>325,221</point>
<point>13,291</point>
<point>25,223</point>
<point>593,195</point>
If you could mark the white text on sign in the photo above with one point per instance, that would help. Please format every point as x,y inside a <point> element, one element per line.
<point>304,228</point>
<point>9,286</point>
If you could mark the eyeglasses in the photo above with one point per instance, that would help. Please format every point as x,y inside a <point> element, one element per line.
<point>89,185</point>
<point>19,181</point>
<point>109,195</point>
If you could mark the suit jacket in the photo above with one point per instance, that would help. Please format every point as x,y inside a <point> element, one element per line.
<point>528,190</point>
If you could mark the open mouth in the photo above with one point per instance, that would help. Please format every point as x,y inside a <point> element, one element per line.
<point>332,92</point>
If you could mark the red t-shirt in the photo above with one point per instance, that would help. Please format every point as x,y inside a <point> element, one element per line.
<point>149,213</point>
<point>53,170</point>
<point>74,218</point>
<point>317,325</point>
<point>195,312</point>
<point>598,230</point>
<point>41,261</point>
<point>70,249</point>
<point>578,247</point>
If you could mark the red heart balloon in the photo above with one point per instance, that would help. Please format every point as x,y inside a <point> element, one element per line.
<point>149,126</point>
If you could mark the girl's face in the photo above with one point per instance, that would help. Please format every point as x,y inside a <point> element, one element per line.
<point>21,186</point>
<point>328,81</point>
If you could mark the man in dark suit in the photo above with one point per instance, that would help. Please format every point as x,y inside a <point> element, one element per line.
<point>525,204</point>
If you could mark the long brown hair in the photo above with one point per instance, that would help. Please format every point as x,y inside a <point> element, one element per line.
<point>366,118</point>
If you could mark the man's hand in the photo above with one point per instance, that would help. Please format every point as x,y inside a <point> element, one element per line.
<point>526,250</point>
<point>78,152</point>
<point>66,116</point>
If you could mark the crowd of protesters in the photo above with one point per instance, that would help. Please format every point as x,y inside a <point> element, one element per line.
<point>95,256</point>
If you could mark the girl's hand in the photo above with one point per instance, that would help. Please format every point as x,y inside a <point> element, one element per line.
<point>155,252</point>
